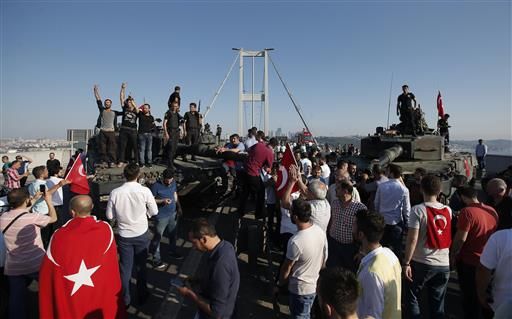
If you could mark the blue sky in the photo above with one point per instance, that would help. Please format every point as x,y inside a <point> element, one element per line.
<point>336,57</point>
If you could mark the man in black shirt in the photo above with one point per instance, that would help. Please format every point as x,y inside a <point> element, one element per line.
<point>175,96</point>
<point>222,281</point>
<point>172,122</point>
<point>192,123</point>
<point>146,127</point>
<point>52,163</point>
<point>218,133</point>
<point>128,131</point>
<point>405,109</point>
<point>443,126</point>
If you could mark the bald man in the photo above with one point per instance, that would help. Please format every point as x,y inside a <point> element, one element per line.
<point>79,276</point>
<point>497,191</point>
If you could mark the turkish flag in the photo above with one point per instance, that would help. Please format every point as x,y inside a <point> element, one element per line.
<point>282,174</point>
<point>79,276</point>
<point>440,108</point>
<point>439,228</point>
<point>78,177</point>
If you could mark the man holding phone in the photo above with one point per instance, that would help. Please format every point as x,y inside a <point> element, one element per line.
<point>40,206</point>
<point>166,198</point>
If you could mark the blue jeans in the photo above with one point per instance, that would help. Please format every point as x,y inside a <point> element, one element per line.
<point>161,224</point>
<point>145,148</point>
<point>132,251</point>
<point>300,306</point>
<point>435,278</point>
<point>18,301</point>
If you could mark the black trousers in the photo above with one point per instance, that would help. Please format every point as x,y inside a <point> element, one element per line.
<point>392,238</point>
<point>172,146</point>
<point>467,283</point>
<point>127,144</point>
<point>107,146</point>
<point>192,138</point>
<point>254,186</point>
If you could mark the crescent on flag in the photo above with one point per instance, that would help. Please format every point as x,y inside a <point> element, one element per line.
<point>81,171</point>
<point>441,217</point>
<point>284,180</point>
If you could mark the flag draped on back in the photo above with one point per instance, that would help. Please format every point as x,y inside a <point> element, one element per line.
<point>439,225</point>
<point>282,174</point>
<point>78,177</point>
<point>440,108</point>
<point>79,276</point>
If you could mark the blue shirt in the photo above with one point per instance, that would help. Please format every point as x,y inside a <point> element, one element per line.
<point>161,191</point>
<point>40,205</point>
<point>223,280</point>
<point>23,168</point>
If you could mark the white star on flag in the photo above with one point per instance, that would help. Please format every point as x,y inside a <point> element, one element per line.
<point>82,277</point>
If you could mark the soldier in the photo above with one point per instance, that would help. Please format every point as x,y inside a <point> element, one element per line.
<point>175,96</point>
<point>405,109</point>
<point>443,127</point>
<point>192,127</point>
<point>172,123</point>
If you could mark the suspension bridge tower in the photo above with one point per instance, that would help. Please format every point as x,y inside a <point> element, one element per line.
<point>252,97</point>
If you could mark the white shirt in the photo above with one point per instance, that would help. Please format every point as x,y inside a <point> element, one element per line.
<point>286,221</point>
<point>380,278</point>
<point>320,212</point>
<point>481,150</point>
<point>270,191</point>
<point>326,171</point>
<point>392,201</point>
<point>250,142</point>
<point>497,256</point>
<point>129,204</point>
<point>57,197</point>
<point>308,250</point>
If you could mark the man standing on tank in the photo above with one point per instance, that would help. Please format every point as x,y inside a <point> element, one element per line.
<point>175,96</point>
<point>171,127</point>
<point>193,121</point>
<point>405,109</point>
<point>107,125</point>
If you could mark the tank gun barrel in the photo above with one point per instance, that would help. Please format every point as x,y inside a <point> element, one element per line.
<point>389,155</point>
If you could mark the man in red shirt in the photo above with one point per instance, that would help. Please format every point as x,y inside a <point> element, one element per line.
<point>476,223</point>
<point>261,155</point>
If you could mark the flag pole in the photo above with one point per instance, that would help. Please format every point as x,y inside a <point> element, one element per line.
<point>389,101</point>
<point>71,169</point>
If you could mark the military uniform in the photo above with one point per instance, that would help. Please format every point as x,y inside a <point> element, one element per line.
<point>173,129</point>
<point>193,128</point>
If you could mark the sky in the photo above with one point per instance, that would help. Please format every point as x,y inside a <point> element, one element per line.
<point>339,59</point>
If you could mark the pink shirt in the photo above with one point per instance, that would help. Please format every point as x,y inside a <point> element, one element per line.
<point>25,250</point>
<point>13,179</point>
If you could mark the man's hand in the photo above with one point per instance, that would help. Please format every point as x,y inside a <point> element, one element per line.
<point>187,293</point>
<point>294,175</point>
<point>64,182</point>
<point>123,85</point>
<point>407,272</point>
<point>96,87</point>
<point>167,201</point>
<point>26,173</point>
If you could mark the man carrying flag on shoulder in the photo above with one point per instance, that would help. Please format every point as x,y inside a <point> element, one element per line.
<point>79,277</point>
<point>427,261</point>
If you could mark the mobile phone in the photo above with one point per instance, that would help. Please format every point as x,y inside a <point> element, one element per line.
<point>177,282</point>
<point>42,188</point>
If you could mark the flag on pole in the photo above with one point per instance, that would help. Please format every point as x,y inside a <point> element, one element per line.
<point>440,108</point>
<point>282,174</point>
<point>78,177</point>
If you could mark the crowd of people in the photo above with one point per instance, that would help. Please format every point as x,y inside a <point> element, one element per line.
<point>355,243</point>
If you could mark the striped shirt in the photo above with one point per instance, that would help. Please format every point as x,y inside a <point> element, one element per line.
<point>342,220</point>
<point>13,179</point>
<point>25,250</point>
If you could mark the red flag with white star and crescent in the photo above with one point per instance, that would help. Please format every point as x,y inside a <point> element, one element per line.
<point>79,276</point>
<point>78,177</point>
<point>439,228</point>
<point>282,174</point>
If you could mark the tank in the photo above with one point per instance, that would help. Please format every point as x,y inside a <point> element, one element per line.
<point>203,181</point>
<point>411,152</point>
